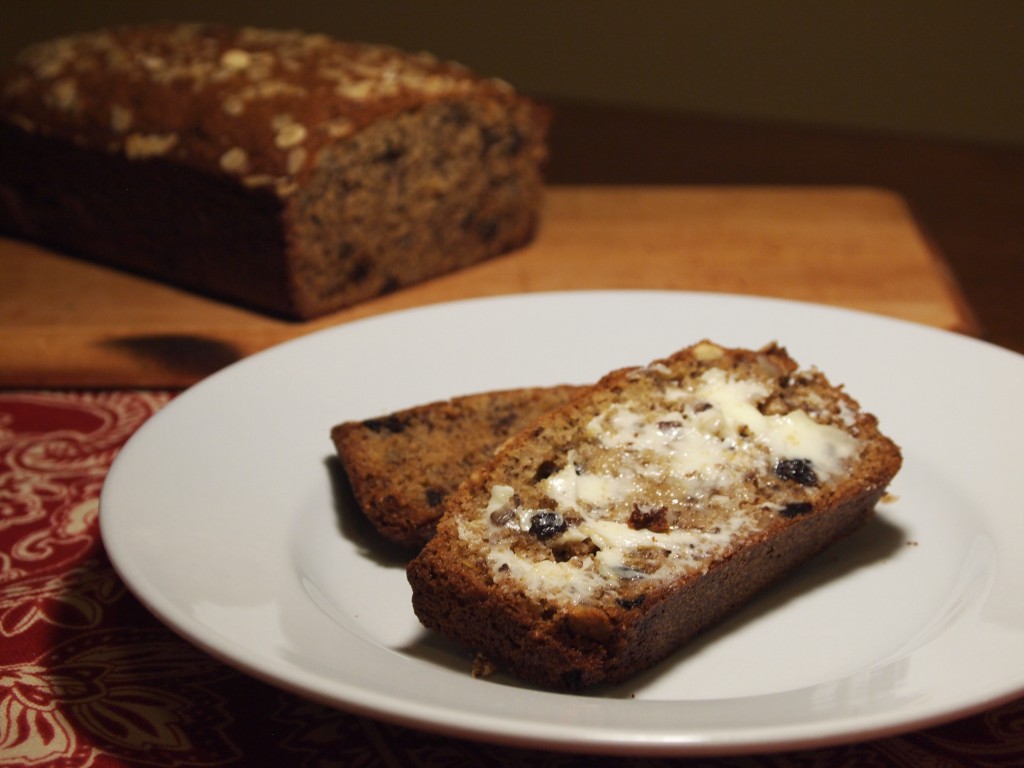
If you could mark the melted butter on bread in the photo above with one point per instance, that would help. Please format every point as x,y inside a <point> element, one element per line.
<point>657,489</point>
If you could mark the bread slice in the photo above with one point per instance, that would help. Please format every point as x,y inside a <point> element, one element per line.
<point>402,466</point>
<point>603,537</point>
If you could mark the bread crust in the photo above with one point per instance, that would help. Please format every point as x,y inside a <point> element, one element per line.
<point>286,171</point>
<point>626,625</point>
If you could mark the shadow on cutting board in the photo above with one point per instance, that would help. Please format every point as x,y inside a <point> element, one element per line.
<point>182,354</point>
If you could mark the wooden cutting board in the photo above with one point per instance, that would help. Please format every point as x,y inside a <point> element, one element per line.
<point>70,323</point>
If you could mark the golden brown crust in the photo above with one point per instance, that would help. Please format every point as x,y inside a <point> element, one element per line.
<point>403,465</point>
<point>627,624</point>
<point>258,104</point>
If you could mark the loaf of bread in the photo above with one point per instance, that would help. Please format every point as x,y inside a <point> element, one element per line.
<point>613,529</point>
<point>402,466</point>
<point>288,172</point>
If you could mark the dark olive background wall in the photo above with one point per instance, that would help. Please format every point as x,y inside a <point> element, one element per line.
<point>952,68</point>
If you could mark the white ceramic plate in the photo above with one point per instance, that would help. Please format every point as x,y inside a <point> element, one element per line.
<point>224,516</point>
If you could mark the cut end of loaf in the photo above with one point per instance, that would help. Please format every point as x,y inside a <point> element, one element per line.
<point>425,193</point>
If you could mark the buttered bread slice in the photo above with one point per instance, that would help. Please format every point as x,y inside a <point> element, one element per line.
<point>616,527</point>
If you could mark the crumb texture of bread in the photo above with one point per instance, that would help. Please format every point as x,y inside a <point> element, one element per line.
<point>602,538</point>
<point>403,465</point>
<point>286,171</point>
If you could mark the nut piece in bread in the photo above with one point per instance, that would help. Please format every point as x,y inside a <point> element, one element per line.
<point>600,539</point>
<point>289,172</point>
<point>402,466</point>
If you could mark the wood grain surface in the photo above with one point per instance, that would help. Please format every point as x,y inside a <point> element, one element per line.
<point>70,323</point>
